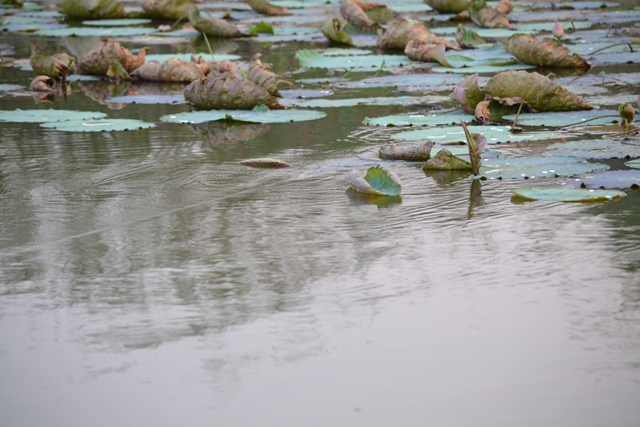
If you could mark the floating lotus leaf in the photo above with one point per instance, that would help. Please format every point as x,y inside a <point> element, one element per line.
<point>608,179</point>
<point>173,70</point>
<point>214,27</point>
<point>97,61</point>
<point>333,30</point>
<point>52,65</point>
<point>577,195</point>
<point>43,116</point>
<point>493,109</point>
<point>433,119</point>
<point>266,162</point>
<point>596,149</point>
<point>261,28</point>
<point>168,9</point>
<point>449,6</point>
<point>116,22</point>
<point>379,180</point>
<point>349,102</point>
<point>535,89</point>
<point>488,17</point>
<point>266,8</point>
<point>96,32</point>
<point>467,38</point>
<point>228,92</point>
<point>536,167</point>
<point>251,116</point>
<point>101,125</point>
<point>147,99</point>
<point>445,160</point>
<point>9,87</point>
<point>91,9</point>
<point>633,163</point>
<point>494,134</point>
<point>566,118</point>
<point>544,52</point>
<point>414,152</point>
<point>310,59</point>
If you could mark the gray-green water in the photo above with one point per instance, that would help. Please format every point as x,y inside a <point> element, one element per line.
<point>147,279</point>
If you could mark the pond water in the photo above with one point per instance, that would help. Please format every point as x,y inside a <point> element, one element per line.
<point>146,278</point>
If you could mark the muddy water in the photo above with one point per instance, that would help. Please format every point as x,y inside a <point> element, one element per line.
<point>148,279</point>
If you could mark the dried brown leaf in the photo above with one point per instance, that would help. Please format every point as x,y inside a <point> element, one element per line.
<point>415,152</point>
<point>97,61</point>
<point>488,17</point>
<point>544,52</point>
<point>402,30</point>
<point>468,93</point>
<point>492,109</point>
<point>266,8</point>
<point>353,11</point>
<point>449,6</point>
<point>444,160</point>
<point>419,50</point>
<point>44,84</point>
<point>214,27</point>
<point>168,9</point>
<point>230,92</point>
<point>504,6</point>
<point>52,65</point>
<point>261,75</point>
<point>171,70</point>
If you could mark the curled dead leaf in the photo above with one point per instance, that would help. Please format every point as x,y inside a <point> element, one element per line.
<point>52,65</point>
<point>445,160</point>
<point>488,17</point>
<point>228,91</point>
<point>544,52</point>
<point>402,30</point>
<point>468,39</point>
<point>171,70</point>
<point>168,9</point>
<point>91,9</point>
<point>265,162</point>
<point>415,152</point>
<point>491,109</point>
<point>504,6</point>
<point>214,27</point>
<point>97,61</point>
<point>468,93</point>
<point>449,6</point>
<point>353,11</point>
<point>419,50</point>
<point>44,84</point>
<point>266,8</point>
<point>261,75</point>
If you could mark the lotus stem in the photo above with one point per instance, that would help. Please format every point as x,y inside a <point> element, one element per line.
<point>517,115</point>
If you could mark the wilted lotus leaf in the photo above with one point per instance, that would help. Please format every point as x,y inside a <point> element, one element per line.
<point>214,27</point>
<point>172,70</point>
<point>97,61</point>
<point>168,9</point>
<point>91,9</point>
<point>117,72</point>
<point>224,66</point>
<point>413,152</point>
<point>544,52</point>
<point>576,195</point>
<point>402,30</point>
<point>353,11</point>
<point>504,6</point>
<point>488,17</point>
<point>52,65</point>
<point>449,6</point>
<point>468,93</point>
<point>444,160</point>
<point>266,8</point>
<point>492,109</point>
<point>468,39</point>
<point>419,50</point>
<point>228,91</point>
<point>535,89</point>
<point>261,75</point>
<point>379,180</point>
<point>265,162</point>
<point>633,164</point>
<point>44,84</point>
<point>332,29</point>
<point>627,113</point>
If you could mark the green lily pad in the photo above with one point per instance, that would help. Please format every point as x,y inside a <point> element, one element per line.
<point>304,93</point>
<point>536,167</point>
<point>350,102</point>
<point>96,32</point>
<point>596,149</point>
<point>414,81</point>
<point>44,116</point>
<point>494,134</point>
<point>186,57</point>
<point>100,125</point>
<point>148,99</point>
<point>565,118</point>
<point>116,22</point>
<point>579,195</point>
<point>633,164</point>
<point>420,119</point>
<point>310,59</point>
<point>608,179</point>
<point>378,180</point>
<point>269,116</point>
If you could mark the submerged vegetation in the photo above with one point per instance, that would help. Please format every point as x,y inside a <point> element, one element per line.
<point>510,71</point>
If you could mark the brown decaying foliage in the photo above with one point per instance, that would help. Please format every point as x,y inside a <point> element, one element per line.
<point>97,61</point>
<point>228,91</point>
<point>266,8</point>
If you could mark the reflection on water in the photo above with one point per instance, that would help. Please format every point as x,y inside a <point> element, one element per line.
<point>150,267</point>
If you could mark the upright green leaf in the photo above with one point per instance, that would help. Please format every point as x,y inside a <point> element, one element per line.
<point>379,180</point>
